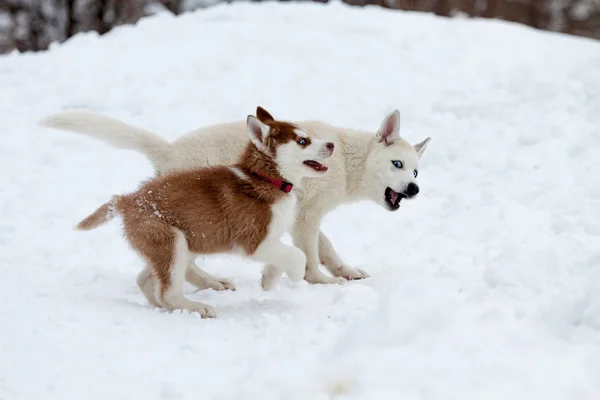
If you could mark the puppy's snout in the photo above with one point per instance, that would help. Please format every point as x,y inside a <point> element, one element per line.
<point>326,149</point>
<point>411,190</point>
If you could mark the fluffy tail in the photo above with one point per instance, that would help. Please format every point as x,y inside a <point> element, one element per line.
<point>102,215</point>
<point>112,132</point>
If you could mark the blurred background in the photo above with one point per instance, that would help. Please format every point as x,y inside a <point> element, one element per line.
<point>32,25</point>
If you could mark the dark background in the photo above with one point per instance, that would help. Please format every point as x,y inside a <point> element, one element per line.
<point>31,25</point>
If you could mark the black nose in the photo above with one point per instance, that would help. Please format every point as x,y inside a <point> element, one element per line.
<point>412,190</point>
<point>330,146</point>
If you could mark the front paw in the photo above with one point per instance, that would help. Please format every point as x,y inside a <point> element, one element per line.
<point>224,284</point>
<point>270,276</point>
<point>349,273</point>
<point>317,277</point>
<point>216,283</point>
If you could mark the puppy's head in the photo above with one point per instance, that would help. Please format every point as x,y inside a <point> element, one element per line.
<point>296,154</point>
<point>393,165</point>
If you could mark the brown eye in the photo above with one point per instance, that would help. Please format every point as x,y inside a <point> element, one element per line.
<point>302,142</point>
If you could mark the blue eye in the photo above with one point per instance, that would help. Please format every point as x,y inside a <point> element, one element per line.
<point>302,142</point>
<point>397,164</point>
<point>415,173</point>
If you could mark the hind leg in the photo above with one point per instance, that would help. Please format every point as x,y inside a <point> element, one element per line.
<point>171,278</point>
<point>166,252</point>
<point>203,280</point>
<point>147,283</point>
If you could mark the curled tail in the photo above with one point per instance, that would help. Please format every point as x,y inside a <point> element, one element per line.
<point>112,132</point>
<point>102,215</point>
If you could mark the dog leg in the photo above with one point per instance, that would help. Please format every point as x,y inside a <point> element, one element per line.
<point>282,258</point>
<point>170,290</point>
<point>270,276</point>
<point>334,263</point>
<point>306,237</point>
<point>203,280</point>
<point>147,283</point>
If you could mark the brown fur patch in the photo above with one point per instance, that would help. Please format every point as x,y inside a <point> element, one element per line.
<point>102,215</point>
<point>263,115</point>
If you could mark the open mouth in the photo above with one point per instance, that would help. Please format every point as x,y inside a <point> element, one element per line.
<point>316,166</point>
<point>392,199</point>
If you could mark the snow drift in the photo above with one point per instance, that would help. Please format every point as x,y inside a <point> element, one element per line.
<point>487,286</point>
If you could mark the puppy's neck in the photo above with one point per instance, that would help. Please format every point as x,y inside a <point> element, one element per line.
<point>294,179</point>
<point>356,148</point>
<point>254,161</point>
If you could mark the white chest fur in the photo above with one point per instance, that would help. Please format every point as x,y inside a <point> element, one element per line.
<point>282,218</point>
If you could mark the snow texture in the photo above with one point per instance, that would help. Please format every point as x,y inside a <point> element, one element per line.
<point>487,286</point>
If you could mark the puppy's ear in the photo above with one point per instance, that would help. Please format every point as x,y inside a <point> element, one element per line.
<point>420,147</point>
<point>263,114</point>
<point>258,132</point>
<point>390,128</point>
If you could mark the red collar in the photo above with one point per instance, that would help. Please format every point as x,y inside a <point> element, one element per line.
<point>282,185</point>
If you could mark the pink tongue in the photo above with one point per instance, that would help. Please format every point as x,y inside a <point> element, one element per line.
<point>394,196</point>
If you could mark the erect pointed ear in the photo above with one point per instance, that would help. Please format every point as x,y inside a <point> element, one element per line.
<point>390,128</point>
<point>258,132</point>
<point>263,114</point>
<point>420,147</point>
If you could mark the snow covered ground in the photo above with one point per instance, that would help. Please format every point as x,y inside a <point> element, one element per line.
<point>486,287</point>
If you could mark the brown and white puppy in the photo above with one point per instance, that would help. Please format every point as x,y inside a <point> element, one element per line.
<point>243,209</point>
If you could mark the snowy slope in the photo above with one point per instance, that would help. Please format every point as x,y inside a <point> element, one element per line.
<point>486,287</point>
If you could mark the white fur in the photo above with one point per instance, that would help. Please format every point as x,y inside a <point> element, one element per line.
<point>238,172</point>
<point>113,132</point>
<point>203,280</point>
<point>283,214</point>
<point>147,283</point>
<point>389,131</point>
<point>359,169</point>
<point>173,298</point>
<point>197,277</point>
<point>291,156</point>
<point>272,251</point>
<point>279,257</point>
<point>258,132</point>
<point>300,132</point>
